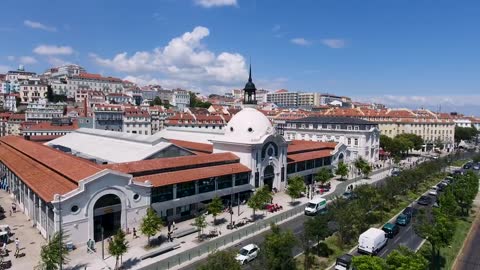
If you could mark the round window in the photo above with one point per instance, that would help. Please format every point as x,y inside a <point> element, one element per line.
<point>250,129</point>
<point>136,197</point>
<point>74,209</point>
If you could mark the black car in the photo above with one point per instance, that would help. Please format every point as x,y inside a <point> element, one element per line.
<point>410,211</point>
<point>425,200</point>
<point>467,166</point>
<point>441,187</point>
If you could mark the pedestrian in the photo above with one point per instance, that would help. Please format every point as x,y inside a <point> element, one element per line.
<point>17,247</point>
<point>134,233</point>
<point>173,225</point>
<point>14,207</point>
<point>169,236</point>
<point>4,249</point>
<point>169,226</point>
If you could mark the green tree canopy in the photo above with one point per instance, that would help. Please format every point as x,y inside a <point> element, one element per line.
<point>215,207</point>
<point>201,223</point>
<point>150,224</point>
<point>295,187</point>
<point>276,251</point>
<point>53,252</point>
<point>118,246</point>
<point>323,176</point>
<point>405,259</point>
<point>259,199</point>
<point>368,263</point>
<point>464,133</point>
<point>342,170</point>
<point>316,229</point>
<point>221,260</point>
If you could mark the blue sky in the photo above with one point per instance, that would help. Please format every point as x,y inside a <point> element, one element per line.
<point>422,52</point>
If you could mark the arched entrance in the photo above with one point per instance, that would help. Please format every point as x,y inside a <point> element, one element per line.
<point>268,176</point>
<point>107,214</point>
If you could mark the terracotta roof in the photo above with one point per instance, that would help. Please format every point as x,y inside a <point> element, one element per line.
<point>17,116</point>
<point>43,181</point>
<point>69,166</point>
<point>169,178</point>
<point>309,155</point>
<point>200,147</point>
<point>297,146</point>
<point>176,163</point>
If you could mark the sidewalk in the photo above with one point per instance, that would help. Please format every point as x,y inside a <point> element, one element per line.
<point>136,250</point>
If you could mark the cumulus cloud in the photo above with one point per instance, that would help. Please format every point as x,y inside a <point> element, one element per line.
<point>215,3</point>
<point>183,59</point>
<point>27,60</point>
<point>53,50</point>
<point>38,25</point>
<point>300,41</point>
<point>334,43</point>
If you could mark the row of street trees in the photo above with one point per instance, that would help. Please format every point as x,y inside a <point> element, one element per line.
<point>465,133</point>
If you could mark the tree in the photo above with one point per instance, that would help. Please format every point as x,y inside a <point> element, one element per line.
<point>359,163</point>
<point>416,141</point>
<point>156,101</point>
<point>201,223</point>
<point>316,229</point>
<point>448,204</point>
<point>465,190</point>
<point>323,176</point>
<point>118,246</point>
<point>405,259</point>
<point>342,170</point>
<point>368,263</point>
<point>366,170</point>
<point>53,252</point>
<point>295,187</point>
<point>221,260</point>
<point>262,196</point>
<point>436,230</point>
<point>464,133</point>
<point>215,207</point>
<point>277,249</point>
<point>150,224</point>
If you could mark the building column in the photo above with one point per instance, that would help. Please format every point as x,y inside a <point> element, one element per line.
<point>40,213</point>
<point>174,190</point>
<point>28,204</point>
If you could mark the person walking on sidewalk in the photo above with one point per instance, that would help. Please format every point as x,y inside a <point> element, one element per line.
<point>17,247</point>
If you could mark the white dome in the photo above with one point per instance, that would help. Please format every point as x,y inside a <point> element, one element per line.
<point>249,124</point>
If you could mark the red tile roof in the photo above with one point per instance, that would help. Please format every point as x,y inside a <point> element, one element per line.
<point>169,178</point>
<point>176,163</point>
<point>45,126</point>
<point>298,146</point>
<point>42,180</point>
<point>69,166</point>
<point>309,155</point>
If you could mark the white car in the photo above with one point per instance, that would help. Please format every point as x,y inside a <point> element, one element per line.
<point>247,253</point>
<point>433,191</point>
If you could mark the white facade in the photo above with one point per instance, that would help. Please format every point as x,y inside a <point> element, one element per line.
<point>180,99</point>
<point>463,122</point>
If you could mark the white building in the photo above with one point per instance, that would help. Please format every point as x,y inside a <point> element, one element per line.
<point>137,121</point>
<point>42,110</point>
<point>33,90</point>
<point>360,136</point>
<point>180,99</point>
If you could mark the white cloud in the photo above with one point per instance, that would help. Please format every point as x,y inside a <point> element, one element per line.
<point>55,61</point>
<point>334,43</point>
<point>215,3</point>
<point>27,60</point>
<point>300,41</point>
<point>11,58</point>
<point>38,25</point>
<point>53,50</point>
<point>184,59</point>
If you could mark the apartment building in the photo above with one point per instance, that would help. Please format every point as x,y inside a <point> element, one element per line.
<point>283,98</point>
<point>42,111</point>
<point>33,90</point>
<point>137,121</point>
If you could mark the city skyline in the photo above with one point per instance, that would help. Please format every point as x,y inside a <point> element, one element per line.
<point>395,53</point>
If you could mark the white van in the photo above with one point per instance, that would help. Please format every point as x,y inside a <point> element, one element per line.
<point>315,206</point>
<point>372,241</point>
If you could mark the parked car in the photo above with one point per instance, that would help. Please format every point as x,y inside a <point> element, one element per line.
<point>247,253</point>
<point>316,206</point>
<point>344,262</point>
<point>372,241</point>
<point>347,195</point>
<point>390,230</point>
<point>441,186</point>
<point>425,200</point>
<point>395,173</point>
<point>403,219</point>
<point>433,191</point>
<point>476,167</point>
<point>410,211</point>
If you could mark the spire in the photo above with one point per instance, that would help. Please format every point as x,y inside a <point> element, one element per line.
<point>250,73</point>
